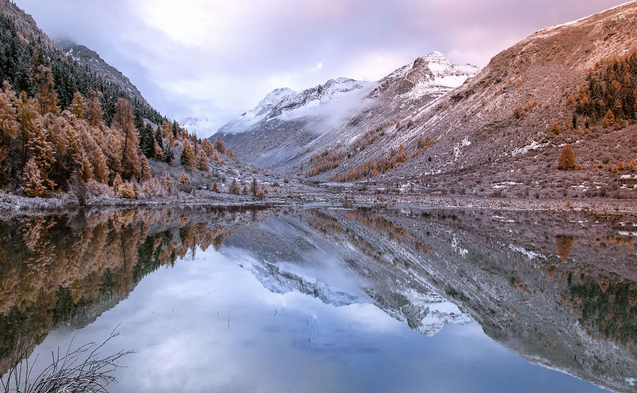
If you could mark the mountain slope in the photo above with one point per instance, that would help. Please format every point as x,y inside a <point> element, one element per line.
<point>500,133</point>
<point>287,128</point>
<point>23,46</point>
<point>91,59</point>
<point>493,135</point>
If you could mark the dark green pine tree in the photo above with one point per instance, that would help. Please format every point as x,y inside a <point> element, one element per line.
<point>146,141</point>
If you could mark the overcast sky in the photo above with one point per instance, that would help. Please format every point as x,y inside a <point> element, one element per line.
<point>219,58</point>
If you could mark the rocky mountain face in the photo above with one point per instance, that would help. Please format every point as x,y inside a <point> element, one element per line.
<point>288,127</point>
<point>91,59</point>
<point>548,286</point>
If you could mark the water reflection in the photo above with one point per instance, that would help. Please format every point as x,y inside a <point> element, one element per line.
<point>331,299</point>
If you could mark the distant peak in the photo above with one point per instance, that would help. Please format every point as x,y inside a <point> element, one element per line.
<point>433,57</point>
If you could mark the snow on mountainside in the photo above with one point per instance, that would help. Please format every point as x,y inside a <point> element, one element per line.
<point>285,104</point>
<point>259,112</point>
<point>96,64</point>
<point>430,74</point>
<point>282,135</point>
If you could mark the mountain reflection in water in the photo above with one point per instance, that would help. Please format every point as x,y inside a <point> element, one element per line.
<point>322,298</point>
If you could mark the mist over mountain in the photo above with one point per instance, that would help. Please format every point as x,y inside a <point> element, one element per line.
<point>433,126</point>
<point>286,127</point>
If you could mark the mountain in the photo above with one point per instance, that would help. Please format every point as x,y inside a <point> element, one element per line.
<point>496,134</point>
<point>288,127</point>
<point>25,46</point>
<point>89,58</point>
<point>433,127</point>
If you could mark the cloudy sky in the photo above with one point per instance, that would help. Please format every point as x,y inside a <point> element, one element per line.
<point>218,58</point>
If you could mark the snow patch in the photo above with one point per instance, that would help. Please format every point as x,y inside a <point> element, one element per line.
<point>527,253</point>
<point>525,149</point>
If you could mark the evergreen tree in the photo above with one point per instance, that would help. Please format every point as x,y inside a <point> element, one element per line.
<point>187,157</point>
<point>566,160</point>
<point>254,186</point>
<point>9,126</point>
<point>78,107</point>
<point>202,161</point>
<point>220,146</point>
<point>184,179</point>
<point>147,141</point>
<point>234,187</point>
<point>26,116</point>
<point>33,182</point>
<point>45,93</point>
<point>123,120</point>
<point>146,173</point>
<point>95,114</point>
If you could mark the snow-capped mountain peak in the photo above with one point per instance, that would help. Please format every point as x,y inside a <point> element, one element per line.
<point>269,102</point>
<point>431,74</point>
<point>316,96</point>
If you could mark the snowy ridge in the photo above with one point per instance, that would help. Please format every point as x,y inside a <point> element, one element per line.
<point>431,74</point>
<point>266,105</point>
<point>432,311</point>
<point>277,280</point>
<point>299,102</point>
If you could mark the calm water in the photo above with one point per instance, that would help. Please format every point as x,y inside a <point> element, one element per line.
<point>330,299</point>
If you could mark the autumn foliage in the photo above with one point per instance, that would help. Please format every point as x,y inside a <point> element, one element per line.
<point>43,146</point>
<point>610,90</point>
<point>566,159</point>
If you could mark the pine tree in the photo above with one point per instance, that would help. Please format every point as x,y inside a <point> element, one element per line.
<point>167,183</point>
<point>234,187</point>
<point>112,148</point>
<point>187,157</point>
<point>245,190</point>
<point>95,114</point>
<point>117,183</point>
<point>9,126</point>
<point>202,161</point>
<point>184,179</point>
<point>254,186</point>
<point>566,160</point>
<point>167,133</point>
<point>26,116</point>
<point>78,107</point>
<point>33,182</point>
<point>215,187</point>
<point>123,120</point>
<point>146,173</point>
<point>220,146</point>
<point>85,170</point>
<point>41,150</point>
<point>45,93</point>
<point>207,147</point>
<point>609,119</point>
<point>555,129</point>
<point>147,141</point>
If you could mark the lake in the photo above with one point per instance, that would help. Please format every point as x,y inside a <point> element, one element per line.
<point>328,299</point>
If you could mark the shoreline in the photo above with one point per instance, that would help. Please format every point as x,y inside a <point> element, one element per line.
<point>12,205</point>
